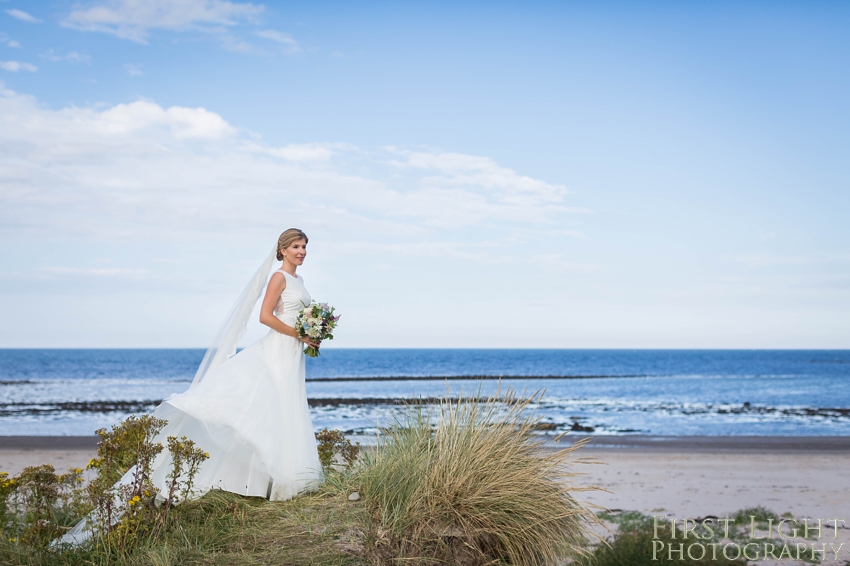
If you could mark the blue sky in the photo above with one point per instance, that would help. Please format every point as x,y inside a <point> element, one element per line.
<point>537,174</point>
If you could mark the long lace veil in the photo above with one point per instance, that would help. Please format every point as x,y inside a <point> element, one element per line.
<point>231,332</point>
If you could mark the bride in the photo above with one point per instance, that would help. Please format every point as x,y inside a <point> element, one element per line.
<point>249,410</point>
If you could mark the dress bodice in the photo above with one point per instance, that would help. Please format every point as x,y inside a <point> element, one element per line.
<point>293,298</point>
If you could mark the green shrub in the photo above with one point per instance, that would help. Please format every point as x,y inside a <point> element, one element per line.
<point>333,443</point>
<point>123,512</point>
<point>38,505</point>
<point>638,543</point>
<point>475,489</point>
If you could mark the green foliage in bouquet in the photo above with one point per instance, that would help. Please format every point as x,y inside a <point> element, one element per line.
<point>317,322</point>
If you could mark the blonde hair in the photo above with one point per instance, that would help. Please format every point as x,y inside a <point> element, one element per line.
<point>286,239</point>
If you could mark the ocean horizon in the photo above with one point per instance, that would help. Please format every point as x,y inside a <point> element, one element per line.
<point>667,392</point>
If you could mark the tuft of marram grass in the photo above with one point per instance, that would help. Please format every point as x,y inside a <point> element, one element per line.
<point>476,489</point>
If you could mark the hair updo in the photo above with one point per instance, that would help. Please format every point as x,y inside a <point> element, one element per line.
<point>286,239</point>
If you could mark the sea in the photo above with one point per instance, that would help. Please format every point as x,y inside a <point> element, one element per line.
<point>56,392</point>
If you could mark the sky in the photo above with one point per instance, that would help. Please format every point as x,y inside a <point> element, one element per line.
<point>470,174</point>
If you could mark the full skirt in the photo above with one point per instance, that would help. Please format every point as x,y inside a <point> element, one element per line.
<point>251,416</point>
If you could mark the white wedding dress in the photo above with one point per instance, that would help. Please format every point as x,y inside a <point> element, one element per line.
<point>250,414</point>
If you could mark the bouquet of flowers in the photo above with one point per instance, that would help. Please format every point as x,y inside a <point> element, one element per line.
<point>317,322</point>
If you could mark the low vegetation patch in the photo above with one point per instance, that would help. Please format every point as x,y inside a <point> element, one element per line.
<point>131,527</point>
<point>748,536</point>
<point>466,484</point>
<point>226,529</point>
<point>637,543</point>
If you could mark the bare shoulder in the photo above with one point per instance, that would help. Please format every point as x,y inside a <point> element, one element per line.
<point>277,281</point>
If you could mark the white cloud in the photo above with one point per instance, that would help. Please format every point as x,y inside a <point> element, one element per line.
<point>283,38</point>
<point>770,260</point>
<point>15,66</point>
<point>476,188</point>
<point>133,70</point>
<point>232,43</point>
<point>133,19</point>
<point>97,271</point>
<point>5,39</point>
<point>448,232</point>
<point>180,122</point>
<point>557,261</point>
<point>179,174</point>
<point>71,57</point>
<point>571,233</point>
<point>23,16</point>
<point>457,169</point>
<point>301,151</point>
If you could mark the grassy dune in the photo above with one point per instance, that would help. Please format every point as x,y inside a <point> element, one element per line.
<point>466,483</point>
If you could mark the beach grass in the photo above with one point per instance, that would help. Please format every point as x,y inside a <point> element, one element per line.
<point>470,484</point>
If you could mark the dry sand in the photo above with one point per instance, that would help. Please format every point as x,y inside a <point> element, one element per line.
<point>18,452</point>
<point>679,477</point>
<point>695,477</point>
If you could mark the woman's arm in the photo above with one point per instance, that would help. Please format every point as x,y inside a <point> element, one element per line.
<point>276,286</point>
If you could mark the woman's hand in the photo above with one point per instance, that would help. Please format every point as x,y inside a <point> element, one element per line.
<point>310,342</point>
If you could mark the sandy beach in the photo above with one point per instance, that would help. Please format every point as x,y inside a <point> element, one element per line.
<point>680,476</point>
<point>19,452</point>
<point>677,477</point>
<point>696,477</point>
<point>699,476</point>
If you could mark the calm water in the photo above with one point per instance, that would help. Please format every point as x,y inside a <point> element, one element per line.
<point>665,392</point>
